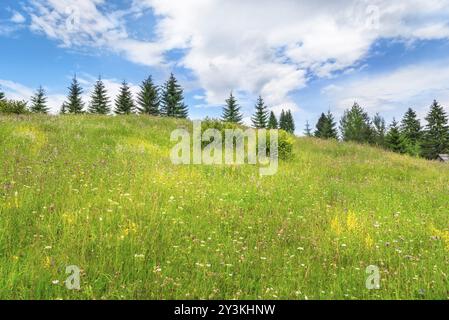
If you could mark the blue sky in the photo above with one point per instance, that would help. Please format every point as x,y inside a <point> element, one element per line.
<point>300,55</point>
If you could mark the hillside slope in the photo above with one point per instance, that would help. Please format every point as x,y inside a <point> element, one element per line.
<point>101,193</point>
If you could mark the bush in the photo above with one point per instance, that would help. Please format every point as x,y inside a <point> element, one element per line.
<point>13,107</point>
<point>285,147</point>
<point>285,140</point>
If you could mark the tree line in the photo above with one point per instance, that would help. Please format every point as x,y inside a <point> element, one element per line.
<point>167,100</point>
<point>261,119</point>
<point>406,137</point>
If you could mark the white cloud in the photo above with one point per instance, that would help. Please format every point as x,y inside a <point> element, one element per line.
<point>17,18</point>
<point>82,24</point>
<point>269,47</point>
<point>413,86</point>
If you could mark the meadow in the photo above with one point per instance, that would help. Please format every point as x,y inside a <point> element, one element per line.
<point>101,193</point>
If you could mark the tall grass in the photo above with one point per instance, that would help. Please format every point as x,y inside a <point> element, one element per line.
<point>101,193</point>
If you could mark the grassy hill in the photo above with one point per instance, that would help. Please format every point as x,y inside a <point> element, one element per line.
<point>101,193</point>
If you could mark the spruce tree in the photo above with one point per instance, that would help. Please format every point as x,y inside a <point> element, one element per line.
<point>379,130</point>
<point>124,103</point>
<point>393,139</point>
<point>326,127</point>
<point>39,102</point>
<point>231,112</point>
<point>283,121</point>
<point>290,122</point>
<point>148,101</point>
<point>260,118</point>
<point>411,130</point>
<point>172,103</point>
<point>355,125</point>
<point>320,126</point>
<point>330,131</point>
<point>100,102</point>
<point>75,103</point>
<point>436,134</point>
<point>273,121</point>
<point>63,109</point>
<point>308,130</point>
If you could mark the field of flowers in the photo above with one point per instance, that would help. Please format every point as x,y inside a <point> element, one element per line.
<point>101,193</point>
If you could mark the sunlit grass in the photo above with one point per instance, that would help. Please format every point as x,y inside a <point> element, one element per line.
<point>101,193</point>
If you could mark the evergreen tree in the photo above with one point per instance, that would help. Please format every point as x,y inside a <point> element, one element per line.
<point>394,140</point>
<point>2,96</point>
<point>100,102</point>
<point>231,112</point>
<point>436,134</point>
<point>308,130</point>
<point>411,130</point>
<point>75,103</point>
<point>63,109</point>
<point>320,126</point>
<point>273,121</point>
<point>124,103</point>
<point>172,104</point>
<point>379,130</point>
<point>260,118</point>
<point>290,122</point>
<point>330,131</point>
<point>283,121</point>
<point>39,102</point>
<point>326,127</point>
<point>148,98</point>
<point>356,125</point>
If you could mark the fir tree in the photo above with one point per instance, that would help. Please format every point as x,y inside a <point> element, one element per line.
<point>379,130</point>
<point>436,134</point>
<point>283,121</point>
<point>172,104</point>
<point>273,121</point>
<point>39,102</point>
<point>231,112</point>
<point>260,118</point>
<point>100,102</point>
<point>63,109</point>
<point>308,130</point>
<point>124,103</point>
<point>411,130</point>
<point>326,127</point>
<point>320,126</point>
<point>393,139</point>
<point>75,103</point>
<point>290,122</point>
<point>148,98</point>
<point>355,125</point>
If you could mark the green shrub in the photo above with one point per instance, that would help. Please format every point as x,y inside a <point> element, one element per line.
<point>13,107</point>
<point>285,140</point>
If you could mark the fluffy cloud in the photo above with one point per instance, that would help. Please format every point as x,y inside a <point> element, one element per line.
<point>82,24</point>
<point>411,86</point>
<point>17,18</point>
<point>271,47</point>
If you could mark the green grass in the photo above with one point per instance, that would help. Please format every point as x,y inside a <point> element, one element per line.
<point>101,193</point>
